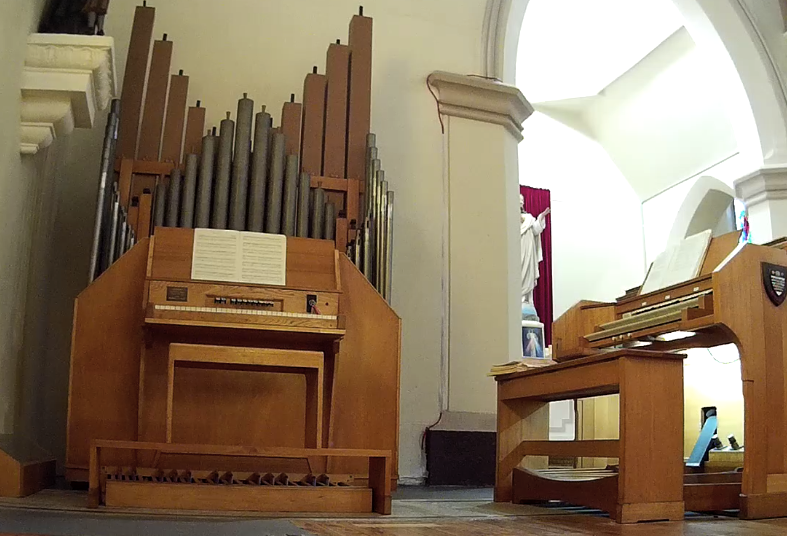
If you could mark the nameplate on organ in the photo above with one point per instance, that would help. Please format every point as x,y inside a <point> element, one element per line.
<point>307,301</point>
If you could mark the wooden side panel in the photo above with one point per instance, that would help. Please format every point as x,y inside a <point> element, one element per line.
<point>337,69</point>
<point>134,81</point>
<point>360,99</point>
<point>311,263</point>
<point>719,248</point>
<point>125,178</point>
<point>37,476</point>
<point>176,114</point>
<point>651,431</point>
<point>10,476</point>
<point>569,330</point>
<point>195,128</point>
<point>105,357</point>
<point>291,127</point>
<point>760,334</point>
<point>144,216</point>
<point>172,251</point>
<point>155,101</point>
<point>314,88</point>
<point>517,420</point>
<point>366,378</point>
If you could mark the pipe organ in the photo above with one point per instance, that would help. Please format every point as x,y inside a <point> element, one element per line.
<point>317,174</point>
<point>178,377</point>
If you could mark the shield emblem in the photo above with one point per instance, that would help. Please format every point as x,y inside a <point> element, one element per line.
<point>774,278</point>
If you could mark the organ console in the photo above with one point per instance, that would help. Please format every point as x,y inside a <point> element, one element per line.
<point>735,299</point>
<point>182,379</point>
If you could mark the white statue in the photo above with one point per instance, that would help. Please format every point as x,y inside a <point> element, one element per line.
<point>530,231</point>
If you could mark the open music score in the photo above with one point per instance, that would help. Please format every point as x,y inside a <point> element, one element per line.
<point>239,257</point>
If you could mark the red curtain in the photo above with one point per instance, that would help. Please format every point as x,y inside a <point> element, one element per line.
<point>536,201</point>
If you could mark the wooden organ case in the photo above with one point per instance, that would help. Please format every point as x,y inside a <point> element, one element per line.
<point>727,303</point>
<point>125,384</point>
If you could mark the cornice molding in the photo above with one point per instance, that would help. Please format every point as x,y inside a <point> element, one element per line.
<point>65,81</point>
<point>766,184</point>
<point>477,98</point>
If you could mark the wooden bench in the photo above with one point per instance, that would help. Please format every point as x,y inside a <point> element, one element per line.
<point>649,483</point>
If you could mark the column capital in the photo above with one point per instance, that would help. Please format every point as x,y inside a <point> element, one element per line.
<point>765,184</point>
<point>480,99</point>
<point>65,81</point>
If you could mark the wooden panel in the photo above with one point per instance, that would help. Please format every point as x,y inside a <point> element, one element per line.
<point>312,135</point>
<point>124,181</point>
<point>37,476</point>
<point>195,129</point>
<point>104,377</point>
<point>569,330</point>
<point>254,360</point>
<point>760,335</point>
<point>155,101</point>
<point>353,199</point>
<point>719,248</point>
<point>337,71</point>
<point>663,511</point>
<point>712,497</point>
<point>359,122</point>
<point>311,263</point>
<point>366,380</point>
<point>144,216</point>
<point>10,476</point>
<point>133,213</point>
<point>220,407</point>
<point>238,498</point>
<point>134,81</point>
<point>291,127</point>
<point>594,380</point>
<point>172,251</point>
<point>341,234</point>
<point>651,431</point>
<point>176,114</point>
<point>517,420</point>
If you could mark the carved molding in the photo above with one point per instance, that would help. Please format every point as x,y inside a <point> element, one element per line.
<point>766,184</point>
<point>66,80</point>
<point>476,98</point>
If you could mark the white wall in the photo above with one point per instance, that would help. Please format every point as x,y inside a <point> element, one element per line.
<point>664,120</point>
<point>596,223</point>
<point>21,181</point>
<point>265,47</point>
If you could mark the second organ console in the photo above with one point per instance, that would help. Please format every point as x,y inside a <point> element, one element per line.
<point>737,298</point>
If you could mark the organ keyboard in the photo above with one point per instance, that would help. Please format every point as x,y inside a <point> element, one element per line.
<point>736,301</point>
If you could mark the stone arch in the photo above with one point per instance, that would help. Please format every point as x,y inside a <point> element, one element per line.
<point>724,26</point>
<point>702,208</point>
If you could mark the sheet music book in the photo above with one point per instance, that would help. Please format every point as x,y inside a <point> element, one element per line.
<point>239,257</point>
<point>678,263</point>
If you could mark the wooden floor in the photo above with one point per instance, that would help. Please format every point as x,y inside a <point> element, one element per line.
<point>573,525</point>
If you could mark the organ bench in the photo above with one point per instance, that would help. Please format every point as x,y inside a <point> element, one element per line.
<point>649,483</point>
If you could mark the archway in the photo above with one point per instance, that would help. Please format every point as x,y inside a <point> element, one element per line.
<point>703,207</point>
<point>725,28</point>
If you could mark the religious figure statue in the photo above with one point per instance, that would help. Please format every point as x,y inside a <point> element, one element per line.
<point>530,231</point>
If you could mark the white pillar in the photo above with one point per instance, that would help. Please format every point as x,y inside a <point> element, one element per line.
<point>765,194</point>
<point>483,306</point>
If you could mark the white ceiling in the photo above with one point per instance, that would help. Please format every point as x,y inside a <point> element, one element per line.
<point>575,48</point>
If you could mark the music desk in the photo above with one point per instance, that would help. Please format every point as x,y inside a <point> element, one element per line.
<point>309,363</point>
<point>649,483</point>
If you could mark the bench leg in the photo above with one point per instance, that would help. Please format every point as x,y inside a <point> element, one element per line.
<point>651,440</point>
<point>517,420</point>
